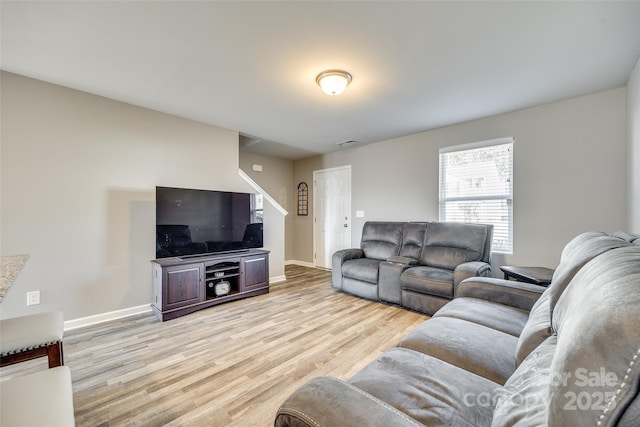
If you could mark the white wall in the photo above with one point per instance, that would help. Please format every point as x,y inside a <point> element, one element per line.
<point>78,193</point>
<point>276,178</point>
<point>633,130</point>
<point>570,174</point>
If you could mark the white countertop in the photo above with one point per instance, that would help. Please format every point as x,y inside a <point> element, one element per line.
<point>10,266</point>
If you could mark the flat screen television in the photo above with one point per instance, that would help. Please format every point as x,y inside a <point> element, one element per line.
<point>192,222</point>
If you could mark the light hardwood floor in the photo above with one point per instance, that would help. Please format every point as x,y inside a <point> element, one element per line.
<point>231,364</point>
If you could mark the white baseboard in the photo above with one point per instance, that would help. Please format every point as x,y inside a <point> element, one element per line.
<point>105,317</point>
<point>277,279</point>
<point>141,309</point>
<point>302,263</point>
<point>126,312</point>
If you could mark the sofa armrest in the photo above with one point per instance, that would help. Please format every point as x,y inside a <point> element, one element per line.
<point>471,269</point>
<point>346,254</point>
<point>326,401</point>
<point>389,277</point>
<point>516,294</point>
<point>338,258</point>
<point>404,260</point>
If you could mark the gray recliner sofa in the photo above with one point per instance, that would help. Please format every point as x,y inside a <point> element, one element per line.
<point>505,353</point>
<point>413,264</point>
<point>356,271</point>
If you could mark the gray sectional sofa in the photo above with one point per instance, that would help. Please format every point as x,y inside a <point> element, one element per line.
<point>413,264</point>
<point>506,354</point>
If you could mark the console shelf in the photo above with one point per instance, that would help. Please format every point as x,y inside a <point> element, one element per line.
<point>224,273</point>
<point>182,286</point>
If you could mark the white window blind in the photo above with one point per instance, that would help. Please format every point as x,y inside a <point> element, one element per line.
<point>257,208</point>
<point>476,185</point>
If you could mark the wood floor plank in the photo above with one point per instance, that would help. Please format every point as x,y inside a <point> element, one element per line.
<point>229,365</point>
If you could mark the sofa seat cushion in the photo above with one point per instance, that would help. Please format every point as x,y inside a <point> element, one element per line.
<point>427,389</point>
<point>464,344</point>
<point>364,269</point>
<point>428,280</point>
<point>500,317</point>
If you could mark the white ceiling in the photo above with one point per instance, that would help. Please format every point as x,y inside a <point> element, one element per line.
<point>251,66</point>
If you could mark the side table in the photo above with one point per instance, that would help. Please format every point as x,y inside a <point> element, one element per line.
<point>536,275</point>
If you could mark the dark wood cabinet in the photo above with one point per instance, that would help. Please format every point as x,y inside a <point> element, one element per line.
<point>254,271</point>
<point>185,285</point>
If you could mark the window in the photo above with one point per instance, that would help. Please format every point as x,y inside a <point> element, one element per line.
<point>476,185</point>
<point>257,208</point>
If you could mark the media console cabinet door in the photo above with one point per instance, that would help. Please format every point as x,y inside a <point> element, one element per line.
<point>183,285</point>
<point>255,272</point>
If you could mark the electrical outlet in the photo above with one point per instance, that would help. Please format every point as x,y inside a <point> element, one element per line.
<point>33,297</point>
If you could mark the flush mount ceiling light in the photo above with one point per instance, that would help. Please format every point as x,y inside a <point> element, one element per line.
<point>333,82</point>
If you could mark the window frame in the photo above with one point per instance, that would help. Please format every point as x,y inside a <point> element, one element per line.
<point>442,199</point>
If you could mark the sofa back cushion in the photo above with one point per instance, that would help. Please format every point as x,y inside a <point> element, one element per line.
<point>597,320</point>
<point>449,244</point>
<point>413,239</point>
<point>629,237</point>
<point>536,330</point>
<point>381,240</point>
<point>579,251</point>
<point>588,371</point>
<point>524,398</point>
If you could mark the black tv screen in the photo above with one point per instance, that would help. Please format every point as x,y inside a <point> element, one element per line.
<point>193,222</point>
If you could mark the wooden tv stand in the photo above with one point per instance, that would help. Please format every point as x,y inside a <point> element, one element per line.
<point>184,285</point>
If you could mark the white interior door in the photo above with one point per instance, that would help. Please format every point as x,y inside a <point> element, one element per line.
<point>331,213</point>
